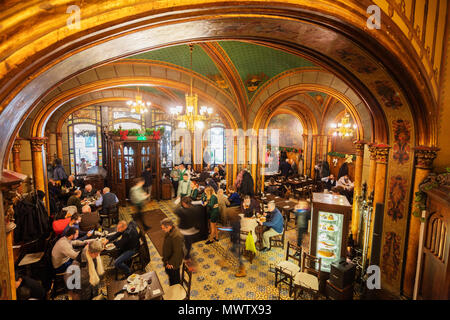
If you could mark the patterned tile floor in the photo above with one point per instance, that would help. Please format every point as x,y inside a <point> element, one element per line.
<point>213,280</point>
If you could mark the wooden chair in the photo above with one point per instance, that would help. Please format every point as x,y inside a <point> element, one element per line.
<point>111,215</point>
<point>181,291</point>
<point>278,240</point>
<point>286,270</point>
<point>308,279</point>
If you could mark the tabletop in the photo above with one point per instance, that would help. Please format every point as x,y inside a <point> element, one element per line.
<point>154,289</point>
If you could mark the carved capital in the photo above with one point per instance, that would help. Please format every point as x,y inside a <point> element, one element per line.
<point>359,145</point>
<point>425,157</point>
<point>17,145</point>
<point>37,143</point>
<point>59,135</point>
<point>373,152</point>
<point>382,151</point>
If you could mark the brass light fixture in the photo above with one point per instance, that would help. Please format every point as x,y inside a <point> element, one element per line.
<point>193,117</point>
<point>344,128</point>
<point>139,105</point>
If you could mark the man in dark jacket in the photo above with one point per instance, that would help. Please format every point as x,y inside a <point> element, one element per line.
<point>74,200</point>
<point>172,250</point>
<point>285,168</point>
<point>88,192</point>
<point>127,245</point>
<point>148,177</point>
<point>188,225</point>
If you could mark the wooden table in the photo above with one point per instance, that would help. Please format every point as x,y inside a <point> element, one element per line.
<point>268,197</point>
<point>115,286</point>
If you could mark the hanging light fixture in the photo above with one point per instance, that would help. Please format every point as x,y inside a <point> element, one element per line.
<point>193,117</point>
<point>344,128</point>
<point>139,105</point>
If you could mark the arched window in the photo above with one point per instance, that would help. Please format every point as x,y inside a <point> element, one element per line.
<point>214,151</point>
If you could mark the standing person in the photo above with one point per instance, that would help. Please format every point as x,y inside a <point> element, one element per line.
<point>172,250</point>
<point>223,202</point>
<point>83,166</point>
<point>221,171</point>
<point>250,206</point>
<point>175,176</point>
<point>127,245</point>
<point>188,223</point>
<point>303,213</point>
<point>138,197</point>
<point>285,168</point>
<point>209,200</point>
<point>59,174</point>
<point>181,171</point>
<point>148,177</point>
<point>184,187</point>
<point>194,190</point>
<point>235,223</point>
<point>276,225</point>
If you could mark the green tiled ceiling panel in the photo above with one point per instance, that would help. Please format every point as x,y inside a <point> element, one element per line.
<point>179,55</point>
<point>253,59</point>
<point>315,93</point>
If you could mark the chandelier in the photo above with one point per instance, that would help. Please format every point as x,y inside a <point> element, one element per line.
<point>193,117</point>
<point>138,105</point>
<point>344,128</point>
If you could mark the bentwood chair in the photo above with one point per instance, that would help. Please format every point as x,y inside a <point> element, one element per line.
<point>286,270</point>
<point>308,279</point>
<point>278,240</point>
<point>180,291</point>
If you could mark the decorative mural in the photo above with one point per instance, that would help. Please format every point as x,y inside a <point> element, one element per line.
<point>402,138</point>
<point>390,265</point>
<point>396,202</point>
<point>358,62</point>
<point>290,130</point>
<point>389,95</point>
<point>254,81</point>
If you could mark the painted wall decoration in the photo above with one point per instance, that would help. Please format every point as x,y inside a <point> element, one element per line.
<point>389,95</point>
<point>358,62</point>
<point>396,203</point>
<point>290,130</point>
<point>402,138</point>
<point>391,256</point>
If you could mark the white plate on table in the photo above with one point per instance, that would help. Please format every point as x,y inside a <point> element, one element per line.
<point>133,278</point>
<point>110,246</point>
<point>286,207</point>
<point>136,287</point>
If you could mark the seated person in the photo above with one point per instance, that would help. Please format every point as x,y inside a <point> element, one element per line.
<point>211,183</point>
<point>204,175</point>
<point>234,198</point>
<point>194,190</point>
<point>273,187</point>
<point>63,253</point>
<point>88,192</point>
<point>28,288</point>
<point>190,171</point>
<point>345,182</point>
<point>107,199</point>
<point>248,223</point>
<point>275,224</point>
<point>303,212</point>
<point>74,222</point>
<point>329,182</point>
<point>70,183</point>
<point>223,202</point>
<point>53,189</point>
<point>60,225</point>
<point>127,245</point>
<point>221,171</point>
<point>216,175</point>
<point>74,200</point>
<point>250,206</point>
<point>91,269</point>
<point>89,220</point>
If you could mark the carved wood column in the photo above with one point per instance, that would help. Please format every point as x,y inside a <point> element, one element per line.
<point>305,154</point>
<point>313,155</point>
<point>357,185</point>
<point>382,158</point>
<point>16,155</point>
<point>372,168</point>
<point>38,162</point>
<point>424,163</point>
<point>59,146</point>
<point>329,145</point>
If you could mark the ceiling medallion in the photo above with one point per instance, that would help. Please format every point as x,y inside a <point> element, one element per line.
<point>254,81</point>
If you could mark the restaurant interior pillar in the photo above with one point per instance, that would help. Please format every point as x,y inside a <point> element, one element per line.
<point>16,155</point>
<point>59,145</point>
<point>357,185</point>
<point>313,155</point>
<point>38,162</point>
<point>380,183</point>
<point>305,154</point>
<point>424,164</point>
<point>235,157</point>
<point>372,168</point>
<point>329,149</point>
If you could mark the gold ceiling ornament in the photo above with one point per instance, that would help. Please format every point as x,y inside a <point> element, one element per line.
<point>193,117</point>
<point>219,80</point>
<point>254,81</point>
<point>139,105</point>
<point>344,128</point>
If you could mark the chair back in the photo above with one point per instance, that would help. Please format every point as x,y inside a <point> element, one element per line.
<point>311,264</point>
<point>291,252</point>
<point>186,280</point>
